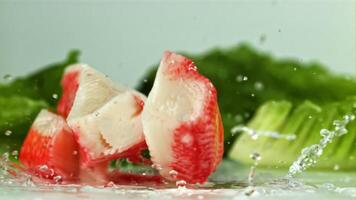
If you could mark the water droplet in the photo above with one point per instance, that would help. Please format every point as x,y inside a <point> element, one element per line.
<point>181,184</point>
<point>57,179</point>
<point>328,186</point>
<point>8,132</point>
<point>324,132</point>
<point>255,156</point>
<point>14,153</point>
<point>347,118</point>
<point>263,38</point>
<point>156,166</point>
<point>75,152</point>
<point>238,118</point>
<point>341,131</point>
<point>43,168</point>
<point>5,157</point>
<point>192,67</point>
<point>254,135</point>
<point>51,172</point>
<point>241,78</point>
<point>310,117</point>
<point>173,174</point>
<point>295,69</point>
<point>55,96</point>
<point>319,152</point>
<point>252,95</point>
<point>337,123</point>
<point>7,77</point>
<point>291,137</point>
<point>200,197</point>
<point>145,80</point>
<point>336,167</point>
<point>110,184</point>
<point>258,86</point>
<point>250,190</point>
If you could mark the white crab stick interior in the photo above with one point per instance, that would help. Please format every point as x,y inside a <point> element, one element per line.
<point>95,89</point>
<point>49,124</point>
<point>171,102</point>
<point>103,114</point>
<point>117,126</point>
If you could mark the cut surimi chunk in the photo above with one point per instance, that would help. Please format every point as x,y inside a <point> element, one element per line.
<point>50,149</point>
<point>106,118</point>
<point>182,123</point>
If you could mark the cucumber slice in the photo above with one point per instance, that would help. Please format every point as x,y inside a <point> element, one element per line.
<point>269,117</point>
<point>300,120</point>
<point>305,121</point>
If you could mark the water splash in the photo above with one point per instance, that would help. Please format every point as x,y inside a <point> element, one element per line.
<point>57,179</point>
<point>258,86</point>
<point>256,134</point>
<point>262,38</point>
<point>55,96</point>
<point>7,77</point>
<point>310,155</point>
<point>173,174</point>
<point>241,78</point>
<point>261,189</point>
<point>256,157</point>
<point>181,183</point>
<point>8,132</point>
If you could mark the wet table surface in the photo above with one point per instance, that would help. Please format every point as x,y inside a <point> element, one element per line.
<point>229,182</point>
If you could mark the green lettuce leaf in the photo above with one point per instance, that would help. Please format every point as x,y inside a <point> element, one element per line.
<point>43,84</point>
<point>23,98</point>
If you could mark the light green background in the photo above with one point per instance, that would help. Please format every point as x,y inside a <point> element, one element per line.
<point>123,38</point>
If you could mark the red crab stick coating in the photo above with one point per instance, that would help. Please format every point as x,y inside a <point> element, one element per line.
<point>182,122</point>
<point>50,149</point>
